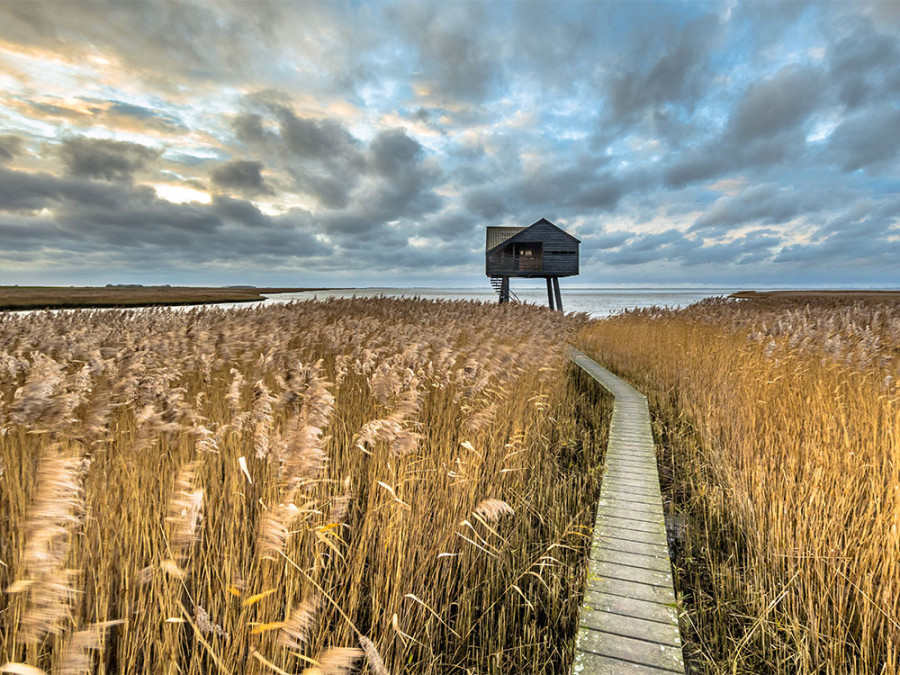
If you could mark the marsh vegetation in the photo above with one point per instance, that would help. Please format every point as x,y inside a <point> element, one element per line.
<point>376,485</point>
<point>780,448</point>
<point>59,297</point>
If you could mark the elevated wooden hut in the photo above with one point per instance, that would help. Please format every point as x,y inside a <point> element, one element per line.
<point>539,250</point>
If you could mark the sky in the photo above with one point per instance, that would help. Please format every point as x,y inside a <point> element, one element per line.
<point>370,143</point>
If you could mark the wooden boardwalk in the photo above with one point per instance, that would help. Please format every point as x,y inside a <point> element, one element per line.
<point>628,621</point>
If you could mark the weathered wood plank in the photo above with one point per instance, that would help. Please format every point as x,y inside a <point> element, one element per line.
<point>629,620</point>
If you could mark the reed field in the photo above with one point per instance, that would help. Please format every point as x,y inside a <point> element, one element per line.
<point>779,436</point>
<point>375,486</point>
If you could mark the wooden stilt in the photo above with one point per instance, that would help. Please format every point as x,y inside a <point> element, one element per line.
<point>550,292</point>
<point>558,294</point>
<point>504,290</point>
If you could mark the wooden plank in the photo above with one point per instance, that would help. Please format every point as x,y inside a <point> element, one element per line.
<point>628,621</point>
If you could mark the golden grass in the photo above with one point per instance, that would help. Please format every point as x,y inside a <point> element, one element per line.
<point>382,485</point>
<point>781,446</point>
<point>58,297</point>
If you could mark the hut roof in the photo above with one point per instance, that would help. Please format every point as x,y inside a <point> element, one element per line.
<point>502,235</point>
<point>497,235</point>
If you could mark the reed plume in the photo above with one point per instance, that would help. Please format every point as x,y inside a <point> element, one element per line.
<point>184,513</point>
<point>298,627</point>
<point>57,509</point>
<point>77,658</point>
<point>373,658</point>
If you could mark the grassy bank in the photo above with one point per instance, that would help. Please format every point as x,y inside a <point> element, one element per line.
<point>842,297</point>
<point>781,450</point>
<point>62,297</point>
<point>402,485</point>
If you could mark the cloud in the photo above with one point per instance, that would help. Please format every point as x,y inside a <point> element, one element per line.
<point>673,246</point>
<point>129,115</point>
<point>766,203</point>
<point>10,146</point>
<point>685,142</point>
<point>865,64</point>
<point>868,139</point>
<point>102,158</point>
<point>133,224</point>
<point>676,71</point>
<point>775,104</point>
<point>404,177</point>
<point>243,176</point>
<point>457,62</point>
<point>248,128</point>
<point>322,158</point>
<point>22,191</point>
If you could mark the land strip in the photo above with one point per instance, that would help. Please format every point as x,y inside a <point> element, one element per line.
<point>62,297</point>
<point>801,295</point>
<point>628,621</point>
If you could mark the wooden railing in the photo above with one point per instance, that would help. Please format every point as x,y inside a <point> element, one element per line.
<point>517,263</point>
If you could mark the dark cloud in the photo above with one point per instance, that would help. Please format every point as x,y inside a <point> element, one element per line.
<point>456,60</point>
<point>579,186</point>
<point>325,141</point>
<point>775,104</point>
<point>486,203</point>
<point>765,128</point>
<point>867,139</point>
<point>865,64</point>
<point>21,191</point>
<point>106,159</point>
<point>607,240</point>
<point>249,129</point>
<point>694,164</point>
<point>322,158</point>
<point>676,72</point>
<point>10,146</point>
<point>393,153</point>
<point>240,211</point>
<point>767,203</point>
<point>406,178</point>
<point>673,246</point>
<point>142,228</point>
<point>243,176</point>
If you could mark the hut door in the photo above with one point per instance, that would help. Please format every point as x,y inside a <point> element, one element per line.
<point>529,257</point>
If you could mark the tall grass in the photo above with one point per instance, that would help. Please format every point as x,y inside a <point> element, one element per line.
<point>781,440</point>
<point>354,485</point>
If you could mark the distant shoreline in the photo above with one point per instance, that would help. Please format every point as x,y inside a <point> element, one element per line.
<point>90,297</point>
<point>817,295</point>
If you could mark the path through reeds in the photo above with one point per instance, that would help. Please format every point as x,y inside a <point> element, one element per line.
<point>780,438</point>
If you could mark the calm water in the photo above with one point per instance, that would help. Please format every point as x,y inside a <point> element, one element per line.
<point>596,302</point>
